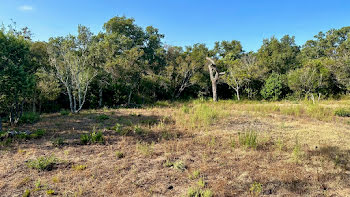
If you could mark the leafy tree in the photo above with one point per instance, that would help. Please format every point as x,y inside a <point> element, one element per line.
<point>273,87</point>
<point>16,79</point>
<point>240,72</point>
<point>70,60</point>
<point>279,56</point>
<point>309,79</point>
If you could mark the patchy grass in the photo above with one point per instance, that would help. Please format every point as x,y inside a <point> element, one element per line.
<point>196,148</point>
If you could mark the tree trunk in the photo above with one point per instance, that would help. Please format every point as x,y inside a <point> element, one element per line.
<point>237,93</point>
<point>34,103</point>
<point>214,86</point>
<point>100,97</point>
<point>214,76</point>
<point>129,98</point>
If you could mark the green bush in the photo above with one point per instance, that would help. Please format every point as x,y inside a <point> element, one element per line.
<point>102,117</point>
<point>29,118</point>
<point>58,142</point>
<point>97,137</point>
<point>85,138</point>
<point>64,112</point>
<point>273,87</point>
<point>38,134</point>
<point>94,137</point>
<point>43,163</point>
<point>342,112</point>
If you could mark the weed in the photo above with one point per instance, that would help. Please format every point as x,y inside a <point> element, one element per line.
<point>342,112</point>
<point>79,167</point>
<point>94,137</point>
<point>179,165</point>
<point>199,192</point>
<point>43,163</point>
<point>50,192</point>
<point>118,128</point>
<point>255,189</point>
<point>194,175</point>
<point>58,142</point>
<point>138,130</point>
<point>102,117</point>
<point>26,193</point>
<point>119,154</point>
<point>38,134</point>
<point>85,138</point>
<point>279,144</point>
<point>201,183</point>
<point>97,137</point>
<point>248,139</point>
<point>145,148</point>
<point>297,153</point>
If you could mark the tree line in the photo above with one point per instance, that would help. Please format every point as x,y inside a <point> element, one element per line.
<point>126,64</point>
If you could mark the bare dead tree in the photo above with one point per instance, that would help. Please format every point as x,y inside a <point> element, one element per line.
<point>214,77</point>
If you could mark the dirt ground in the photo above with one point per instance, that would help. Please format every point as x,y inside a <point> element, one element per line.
<point>165,154</point>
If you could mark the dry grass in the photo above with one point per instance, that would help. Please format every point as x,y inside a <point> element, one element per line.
<point>180,149</point>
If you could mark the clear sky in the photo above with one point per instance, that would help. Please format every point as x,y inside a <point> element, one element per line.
<point>185,22</point>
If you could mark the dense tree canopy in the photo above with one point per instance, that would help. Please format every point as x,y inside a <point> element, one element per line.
<point>128,64</point>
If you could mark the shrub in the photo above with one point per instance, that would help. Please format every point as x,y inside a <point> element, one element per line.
<point>97,137</point>
<point>195,174</point>
<point>29,118</point>
<point>248,139</point>
<point>64,112</point>
<point>38,134</point>
<point>102,117</point>
<point>85,138</point>
<point>94,137</point>
<point>26,193</point>
<point>79,167</point>
<point>119,154</point>
<point>43,163</point>
<point>50,192</point>
<point>179,165</point>
<point>273,87</point>
<point>255,189</point>
<point>138,130</point>
<point>342,112</point>
<point>58,142</point>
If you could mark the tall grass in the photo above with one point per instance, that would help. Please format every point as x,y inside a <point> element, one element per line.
<point>199,115</point>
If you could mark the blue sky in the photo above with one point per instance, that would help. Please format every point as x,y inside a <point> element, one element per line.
<point>185,22</point>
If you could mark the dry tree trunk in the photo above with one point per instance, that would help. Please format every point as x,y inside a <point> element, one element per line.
<point>214,77</point>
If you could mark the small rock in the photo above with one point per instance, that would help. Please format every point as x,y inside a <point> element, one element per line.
<point>170,187</point>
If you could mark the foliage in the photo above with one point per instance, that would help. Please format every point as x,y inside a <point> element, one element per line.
<point>43,163</point>
<point>248,139</point>
<point>29,118</point>
<point>342,112</point>
<point>273,87</point>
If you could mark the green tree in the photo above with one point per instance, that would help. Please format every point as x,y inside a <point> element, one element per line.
<point>279,56</point>
<point>16,78</point>
<point>273,87</point>
<point>70,60</point>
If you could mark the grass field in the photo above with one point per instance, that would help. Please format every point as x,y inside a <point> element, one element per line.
<point>197,148</point>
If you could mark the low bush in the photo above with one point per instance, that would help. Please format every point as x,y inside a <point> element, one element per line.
<point>43,163</point>
<point>64,112</point>
<point>342,112</point>
<point>29,118</point>
<point>94,137</point>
